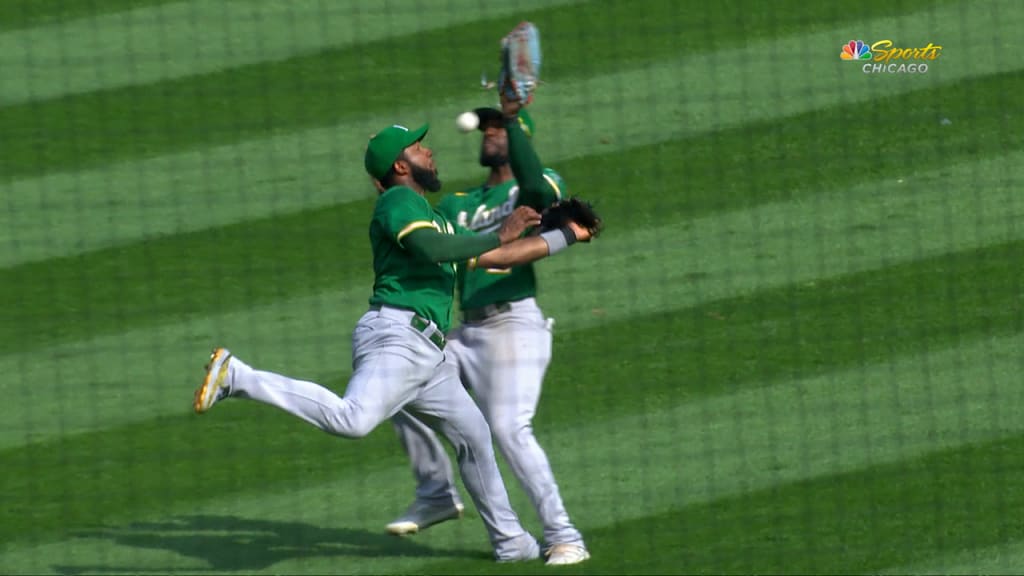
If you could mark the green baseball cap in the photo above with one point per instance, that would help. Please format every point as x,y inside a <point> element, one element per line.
<point>488,114</point>
<point>387,145</point>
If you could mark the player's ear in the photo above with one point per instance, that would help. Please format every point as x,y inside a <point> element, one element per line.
<point>401,166</point>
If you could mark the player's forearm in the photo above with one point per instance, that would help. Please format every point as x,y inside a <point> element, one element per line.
<point>517,253</point>
<point>431,245</point>
<point>526,166</point>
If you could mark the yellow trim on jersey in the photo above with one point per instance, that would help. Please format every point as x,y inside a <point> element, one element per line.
<point>471,263</point>
<point>460,194</point>
<point>412,226</point>
<point>558,191</point>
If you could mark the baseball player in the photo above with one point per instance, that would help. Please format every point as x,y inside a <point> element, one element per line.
<point>503,346</point>
<point>398,344</point>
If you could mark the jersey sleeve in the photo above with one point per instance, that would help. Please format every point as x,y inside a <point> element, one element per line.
<point>555,189</point>
<point>400,210</point>
<point>447,207</point>
<point>434,247</point>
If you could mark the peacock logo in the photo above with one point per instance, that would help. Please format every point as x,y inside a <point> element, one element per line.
<point>855,50</point>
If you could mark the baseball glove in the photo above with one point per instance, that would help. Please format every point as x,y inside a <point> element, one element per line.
<point>520,62</point>
<point>579,211</point>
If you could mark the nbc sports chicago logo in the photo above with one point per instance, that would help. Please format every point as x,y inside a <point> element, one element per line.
<point>883,57</point>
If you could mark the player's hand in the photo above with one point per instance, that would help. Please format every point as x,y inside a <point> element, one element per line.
<point>517,223</point>
<point>510,107</point>
<point>582,233</point>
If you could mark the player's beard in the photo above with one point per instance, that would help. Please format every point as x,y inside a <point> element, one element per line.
<point>426,178</point>
<point>492,159</point>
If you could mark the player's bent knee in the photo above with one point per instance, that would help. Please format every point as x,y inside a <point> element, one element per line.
<point>473,434</point>
<point>355,429</point>
<point>511,434</point>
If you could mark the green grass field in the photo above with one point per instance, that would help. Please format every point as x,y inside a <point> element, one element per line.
<point>797,348</point>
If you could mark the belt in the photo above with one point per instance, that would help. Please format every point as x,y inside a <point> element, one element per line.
<point>480,314</point>
<point>421,324</point>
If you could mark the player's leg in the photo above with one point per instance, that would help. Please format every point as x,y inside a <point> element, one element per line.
<point>515,352</point>
<point>432,469</point>
<point>437,498</point>
<point>446,406</point>
<point>391,362</point>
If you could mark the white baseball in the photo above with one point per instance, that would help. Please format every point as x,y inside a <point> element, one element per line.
<point>467,121</point>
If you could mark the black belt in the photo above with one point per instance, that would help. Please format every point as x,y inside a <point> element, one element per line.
<point>481,314</point>
<point>420,324</point>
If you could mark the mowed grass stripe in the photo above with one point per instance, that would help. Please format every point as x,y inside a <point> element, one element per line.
<point>710,259</point>
<point>1004,558</point>
<point>65,213</point>
<point>612,470</point>
<point>797,330</point>
<point>797,157</point>
<point>853,522</point>
<point>124,288</point>
<point>333,85</point>
<point>20,14</point>
<point>863,227</point>
<point>676,357</point>
<point>157,43</point>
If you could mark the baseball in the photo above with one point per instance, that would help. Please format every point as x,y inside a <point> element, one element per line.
<point>467,121</point>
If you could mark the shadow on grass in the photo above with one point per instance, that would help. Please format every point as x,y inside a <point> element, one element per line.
<point>228,543</point>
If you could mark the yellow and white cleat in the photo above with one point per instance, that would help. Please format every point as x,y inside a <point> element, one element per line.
<point>215,385</point>
<point>563,554</point>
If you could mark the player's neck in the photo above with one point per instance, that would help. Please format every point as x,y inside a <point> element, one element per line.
<point>500,174</point>
<point>411,183</point>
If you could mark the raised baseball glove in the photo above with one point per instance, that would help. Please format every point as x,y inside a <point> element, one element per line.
<point>520,62</point>
<point>575,209</point>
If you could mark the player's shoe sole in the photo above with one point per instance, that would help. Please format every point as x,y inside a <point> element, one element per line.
<point>421,516</point>
<point>565,554</point>
<point>214,385</point>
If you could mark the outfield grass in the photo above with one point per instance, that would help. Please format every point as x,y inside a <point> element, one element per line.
<point>795,350</point>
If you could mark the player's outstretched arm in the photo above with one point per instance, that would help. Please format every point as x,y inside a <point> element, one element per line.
<point>533,248</point>
<point>429,244</point>
<point>523,159</point>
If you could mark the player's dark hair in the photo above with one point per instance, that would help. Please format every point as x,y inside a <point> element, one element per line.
<point>389,179</point>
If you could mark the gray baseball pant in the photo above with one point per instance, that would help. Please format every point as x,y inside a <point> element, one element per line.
<point>503,360</point>
<point>395,367</point>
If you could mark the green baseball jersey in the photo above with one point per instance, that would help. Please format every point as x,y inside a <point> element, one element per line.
<point>484,209</point>
<point>401,279</point>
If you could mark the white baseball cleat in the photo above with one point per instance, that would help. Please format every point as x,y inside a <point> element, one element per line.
<point>420,516</point>
<point>563,554</point>
<point>215,386</point>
